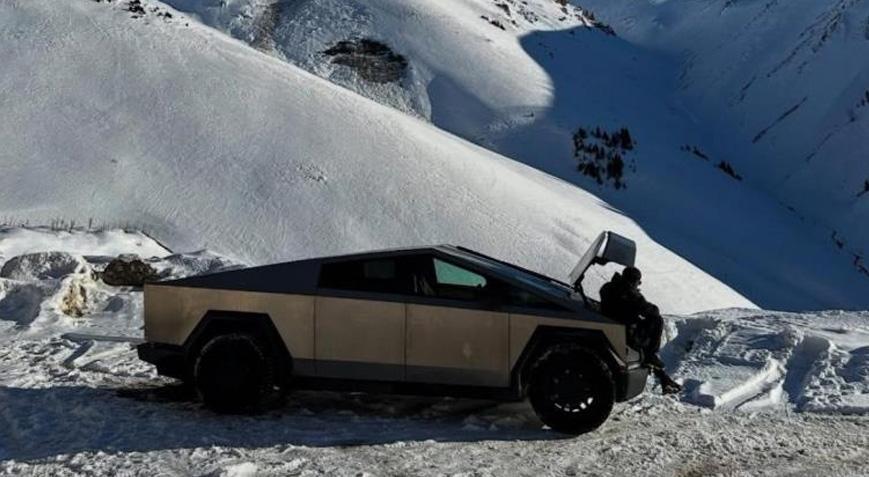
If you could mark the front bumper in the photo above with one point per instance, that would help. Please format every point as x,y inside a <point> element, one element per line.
<point>631,382</point>
<point>169,359</point>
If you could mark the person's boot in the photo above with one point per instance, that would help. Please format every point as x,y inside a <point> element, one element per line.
<point>653,362</point>
<point>668,386</point>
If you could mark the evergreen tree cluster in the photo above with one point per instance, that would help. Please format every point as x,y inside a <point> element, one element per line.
<point>601,154</point>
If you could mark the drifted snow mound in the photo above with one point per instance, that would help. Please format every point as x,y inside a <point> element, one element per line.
<point>742,359</point>
<point>211,144</point>
<point>44,293</point>
<point>42,265</point>
<point>180,265</point>
<point>16,241</point>
<point>21,303</point>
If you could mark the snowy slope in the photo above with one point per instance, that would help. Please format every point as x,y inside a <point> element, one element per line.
<point>204,142</point>
<point>766,393</point>
<point>520,78</point>
<point>789,81</point>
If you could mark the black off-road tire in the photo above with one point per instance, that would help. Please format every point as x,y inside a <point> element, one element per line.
<point>236,373</point>
<point>571,389</point>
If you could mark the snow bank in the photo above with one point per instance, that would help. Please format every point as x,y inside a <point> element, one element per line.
<point>44,293</point>
<point>742,359</point>
<point>41,265</point>
<point>15,241</point>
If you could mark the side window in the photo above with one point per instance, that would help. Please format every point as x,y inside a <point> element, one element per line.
<point>376,275</point>
<point>379,270</point>
<point>449,274</point>
<point>457,283</point>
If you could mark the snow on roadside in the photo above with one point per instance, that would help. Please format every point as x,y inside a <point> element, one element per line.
<point>49,283</point>
<point>735,359</point>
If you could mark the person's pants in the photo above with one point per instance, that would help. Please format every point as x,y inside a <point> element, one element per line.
<point>646,335</point>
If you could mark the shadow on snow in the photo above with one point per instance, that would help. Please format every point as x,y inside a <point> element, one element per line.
<point>42,423</point>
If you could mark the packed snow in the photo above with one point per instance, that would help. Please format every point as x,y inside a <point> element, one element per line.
<point>766,393</point>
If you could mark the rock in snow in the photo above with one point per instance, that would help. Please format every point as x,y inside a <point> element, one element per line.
<point>129,272</point>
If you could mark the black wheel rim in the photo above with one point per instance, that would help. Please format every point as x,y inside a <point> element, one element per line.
<point>570,390</point>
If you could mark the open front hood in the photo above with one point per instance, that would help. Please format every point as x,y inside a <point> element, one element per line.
<point>607,247</point>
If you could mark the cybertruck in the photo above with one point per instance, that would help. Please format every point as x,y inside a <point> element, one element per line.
<point>439,320</point>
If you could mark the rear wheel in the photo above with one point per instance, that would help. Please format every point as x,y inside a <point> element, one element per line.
<point>236,373</point>
<point>571,389</point>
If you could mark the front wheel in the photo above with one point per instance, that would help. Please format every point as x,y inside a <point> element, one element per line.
<point>571,389</point>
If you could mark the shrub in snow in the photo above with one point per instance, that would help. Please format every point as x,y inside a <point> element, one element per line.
<point>136,8</point>
<point>728,169</point>
<point>695,150</point>
<point>493,22</point>
<point>74,301</point>
<point>42,265</point>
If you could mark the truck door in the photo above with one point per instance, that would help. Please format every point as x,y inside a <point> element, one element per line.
<point>455,332</point>
<point>359,320</point>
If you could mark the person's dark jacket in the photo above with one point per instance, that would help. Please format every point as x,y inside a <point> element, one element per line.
<point>623,301</point>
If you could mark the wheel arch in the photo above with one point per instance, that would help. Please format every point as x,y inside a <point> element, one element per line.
<point>218,322</point>
<point>544,337</point>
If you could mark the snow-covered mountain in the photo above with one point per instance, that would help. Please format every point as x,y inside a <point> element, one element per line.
<point>725,182</point>
<point>144,117</point>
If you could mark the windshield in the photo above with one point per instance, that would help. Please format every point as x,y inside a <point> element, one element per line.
<point>533,280</point>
